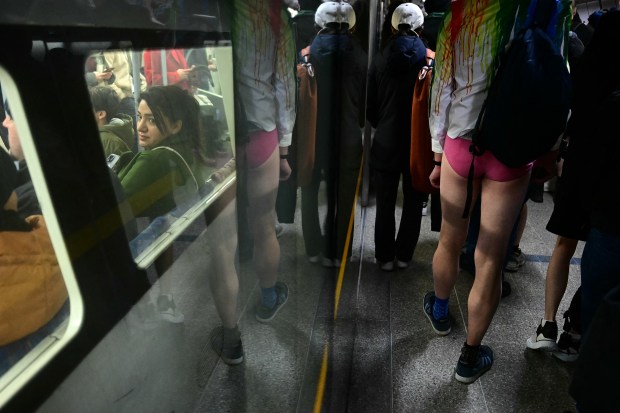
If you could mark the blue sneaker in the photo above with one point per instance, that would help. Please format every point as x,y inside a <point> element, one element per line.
<point>468,372</point>
<point>265,314</point>
<point>441,327</point>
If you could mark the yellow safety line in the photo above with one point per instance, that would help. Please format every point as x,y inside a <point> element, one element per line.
<point>320,389</point>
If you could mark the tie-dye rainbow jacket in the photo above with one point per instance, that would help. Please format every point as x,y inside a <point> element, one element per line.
<point>468,45</point>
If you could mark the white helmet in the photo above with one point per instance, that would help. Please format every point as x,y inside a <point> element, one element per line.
<point>334,12</point>
<point>408,13</point>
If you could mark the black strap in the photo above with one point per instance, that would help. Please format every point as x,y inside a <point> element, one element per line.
<point>476,149</point>
<point>470,181</point>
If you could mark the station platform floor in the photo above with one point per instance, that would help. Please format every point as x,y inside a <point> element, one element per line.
<point>352,342</point>
<point>378,352</point>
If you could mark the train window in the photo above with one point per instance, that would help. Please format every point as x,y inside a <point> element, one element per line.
<point>165,120</point>
<point>40,309</point>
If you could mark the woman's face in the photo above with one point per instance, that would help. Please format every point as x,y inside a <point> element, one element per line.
<point>149,135</point>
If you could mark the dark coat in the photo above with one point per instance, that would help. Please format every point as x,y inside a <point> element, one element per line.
<point>392,78</point>
<point>340,65</point>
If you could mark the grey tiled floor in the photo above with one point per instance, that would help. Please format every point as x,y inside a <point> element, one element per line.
<point>378,355</point>
<point>383,356</point>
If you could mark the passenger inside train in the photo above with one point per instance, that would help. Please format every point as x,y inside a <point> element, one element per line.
<point>164,274</point>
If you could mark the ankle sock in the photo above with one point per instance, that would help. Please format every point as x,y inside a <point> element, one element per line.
<point>268,296</point>
<point>440,308</point>
<point>231,336</point>
<point>469,354</point>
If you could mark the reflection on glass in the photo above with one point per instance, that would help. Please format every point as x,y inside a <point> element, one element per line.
<point>34,297</point>
<point>165,159</point>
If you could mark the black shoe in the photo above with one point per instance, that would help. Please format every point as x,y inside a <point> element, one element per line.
<point>467,370</point>
<point>536,192</point>
<point>568,347</point>
<point>227,344</point>
<point>265,314</point>
<point>442,326</point>
<point>506,288</point>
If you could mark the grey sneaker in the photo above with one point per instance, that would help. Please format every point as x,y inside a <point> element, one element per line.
<point>168,309</point>
<point>441,327</point>
<point>227,344</point>
<point>386,266</point>
<point>515,261</point>
<point>265,314</point>
<point>545,337</point>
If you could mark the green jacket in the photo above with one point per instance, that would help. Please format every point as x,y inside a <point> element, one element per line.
<point>117,136</point>
<point>156,181</point>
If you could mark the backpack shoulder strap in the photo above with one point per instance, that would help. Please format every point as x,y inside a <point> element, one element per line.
<point>183,166</point>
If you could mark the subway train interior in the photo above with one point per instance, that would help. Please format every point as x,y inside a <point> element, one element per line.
<point>115,303</point>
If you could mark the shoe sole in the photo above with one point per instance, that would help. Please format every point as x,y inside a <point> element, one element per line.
<point>568,358</point>
<point>387,268</point>
<point>266,320</point>
<point>470,380</point>
<point>544,345</point>
<point>178,319</point>
<point>232,362</point>
<point>314,259</point>
<point>438,332</point>
<point>514,268</point>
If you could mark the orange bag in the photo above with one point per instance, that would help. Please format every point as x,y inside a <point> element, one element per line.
<point>305,122</point>
<point>31,285</point>
<point>421,153</point>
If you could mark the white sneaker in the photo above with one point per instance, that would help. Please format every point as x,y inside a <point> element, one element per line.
<point>402,264</point>
<point>545,336</point>
<point>327,262</point>
<point>168,309</point>
<point>387,266</point>
<point>314,259</point>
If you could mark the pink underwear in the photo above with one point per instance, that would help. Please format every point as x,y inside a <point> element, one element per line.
<point>261,146</point>
<point>457,153</point>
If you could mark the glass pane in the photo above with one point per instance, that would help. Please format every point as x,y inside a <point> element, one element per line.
<point>164,118</point>
<point>34,306</point>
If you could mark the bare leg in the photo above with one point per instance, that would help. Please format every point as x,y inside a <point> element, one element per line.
<point>223,280</point>
<point>557,275</point>
<point>453,230</point>
<point>162,264</point>
<point>501,203</point>
<point>262,191</point>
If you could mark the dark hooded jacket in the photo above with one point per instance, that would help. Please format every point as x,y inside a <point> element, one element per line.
<point>117,137</point>
<point>391,81</point>
<point>340,67</point>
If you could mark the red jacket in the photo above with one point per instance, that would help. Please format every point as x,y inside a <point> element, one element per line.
<point>175,59</point>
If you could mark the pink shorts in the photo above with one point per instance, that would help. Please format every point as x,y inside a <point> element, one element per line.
<point>261,146</point>
<point>457,153</point>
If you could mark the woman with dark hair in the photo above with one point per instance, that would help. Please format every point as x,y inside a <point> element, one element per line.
<point>169,132</point>
<point>166,175</point>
